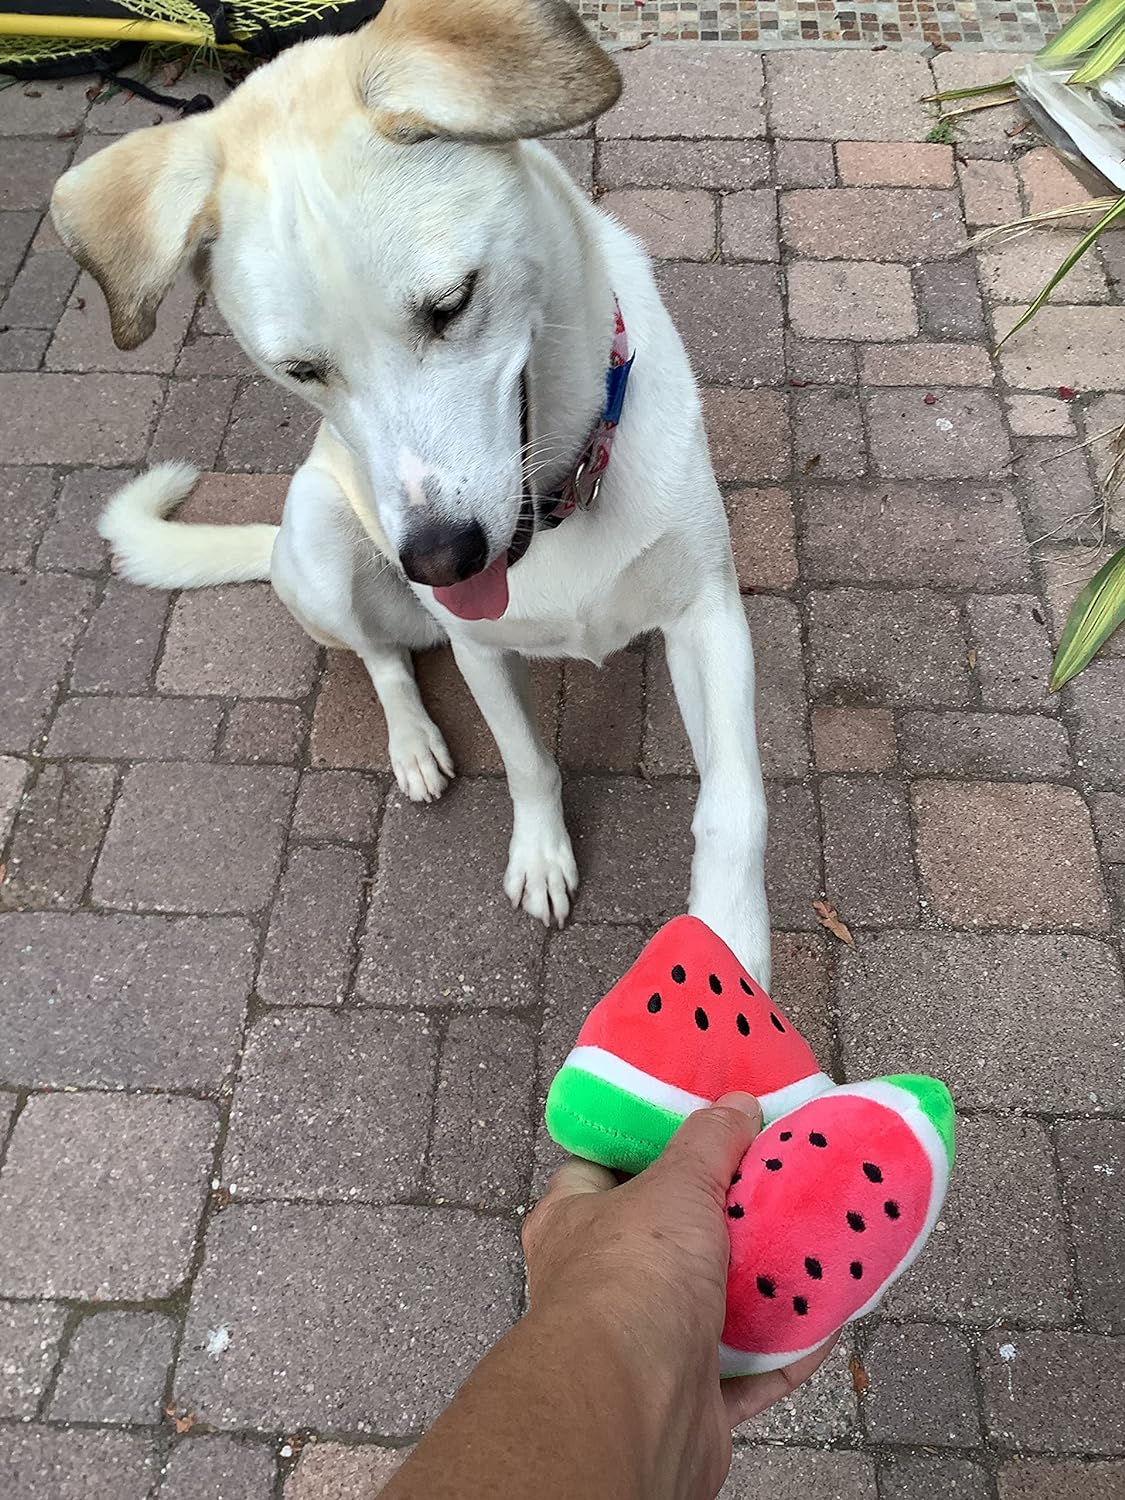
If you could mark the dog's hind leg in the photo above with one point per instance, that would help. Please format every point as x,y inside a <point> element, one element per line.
<point>711,661</point>
<point>346,594</point>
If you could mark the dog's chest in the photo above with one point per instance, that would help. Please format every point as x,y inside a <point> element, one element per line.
<point>559,635</point>
<point>579,611</point>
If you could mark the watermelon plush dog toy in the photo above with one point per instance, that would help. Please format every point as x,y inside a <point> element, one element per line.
<point>838,1193</point>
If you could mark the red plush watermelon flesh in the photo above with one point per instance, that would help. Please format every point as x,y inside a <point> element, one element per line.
<point>826,1208</point>
<point>688,1013</point>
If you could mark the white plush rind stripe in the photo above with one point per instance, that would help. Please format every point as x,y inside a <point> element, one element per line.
<point>615,1070</point>
<point>734,1362</point>
<point>793,1095</point>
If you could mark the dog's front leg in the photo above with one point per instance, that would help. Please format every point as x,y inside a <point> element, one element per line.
<point>712,665</point>
<point>541,875</point>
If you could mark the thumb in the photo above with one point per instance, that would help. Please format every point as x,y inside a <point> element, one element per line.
<point>710,1143</point>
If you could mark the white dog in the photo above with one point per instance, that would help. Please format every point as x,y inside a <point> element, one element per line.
<point>373,221</point>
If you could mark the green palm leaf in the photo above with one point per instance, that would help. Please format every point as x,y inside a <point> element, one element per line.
<point>1098,611</point>
<point>1102,60</point>
<point>1067,265</point>
<point>1084,31</point>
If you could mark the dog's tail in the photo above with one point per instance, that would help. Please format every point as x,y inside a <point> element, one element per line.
<point>170,555</point>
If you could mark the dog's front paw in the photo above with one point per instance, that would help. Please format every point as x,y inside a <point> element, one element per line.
<point>542,875</point>
<point>420,760</point>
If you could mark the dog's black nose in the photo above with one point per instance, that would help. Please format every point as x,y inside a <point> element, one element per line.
<point>443,555</point>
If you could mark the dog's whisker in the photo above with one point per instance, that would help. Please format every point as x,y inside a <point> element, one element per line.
<point>538,468</point>
<point>542,450</point>
<point>544,437</point>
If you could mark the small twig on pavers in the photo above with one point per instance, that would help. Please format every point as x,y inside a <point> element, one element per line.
<point>1110,485</point>
<point>972,109</point>
<point>1100,509</point>
<point>1017,227</point>
<point>1097,437</point>
<point>1117,468</point>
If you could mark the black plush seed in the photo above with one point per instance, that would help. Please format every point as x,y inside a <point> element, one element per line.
<point>776,1019</point>
<point>786,1135</point>
<point>743,1024</point>
<point>678,974</point>
<point>800,1306</point>
<point>773,1165</point>
<point>716,984</point>
<point>855,1221</point>
<point>736,1178</point>
<point>746,990</point>
<point>856,1268</point>
<point>872,1172</point>
<point>891,1209</point>
<point>816,1139</point>
<point>814,1268</point>
<point>701,1018</point>
<point>654,1004</point>
<point>766,1286</point>
<point>735,1211</point>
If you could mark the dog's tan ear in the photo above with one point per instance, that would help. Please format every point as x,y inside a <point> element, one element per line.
<point>483,70</point>
<point>132,215</point>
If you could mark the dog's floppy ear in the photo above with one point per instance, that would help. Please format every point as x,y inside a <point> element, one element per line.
<point>132,215</point>
<point>483,70</point>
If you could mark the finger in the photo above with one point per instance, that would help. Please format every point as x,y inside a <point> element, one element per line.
<point>575,1177</point>
<point>710,1143</point>
<point>747,1396</point>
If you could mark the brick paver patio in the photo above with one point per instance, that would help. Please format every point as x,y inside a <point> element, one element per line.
<point>272,1061</point>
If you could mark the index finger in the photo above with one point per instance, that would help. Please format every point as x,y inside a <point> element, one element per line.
<point>575,1177</point>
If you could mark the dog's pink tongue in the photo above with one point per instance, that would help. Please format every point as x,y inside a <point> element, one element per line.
<point>482,597</point>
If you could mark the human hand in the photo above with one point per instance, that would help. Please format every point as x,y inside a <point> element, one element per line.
<point>649,1260</point>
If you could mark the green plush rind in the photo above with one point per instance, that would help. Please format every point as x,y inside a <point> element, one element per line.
<point>936,1103</point>
<point>600,1122</point>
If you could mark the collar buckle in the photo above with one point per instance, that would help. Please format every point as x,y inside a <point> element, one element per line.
<point>586,484</point>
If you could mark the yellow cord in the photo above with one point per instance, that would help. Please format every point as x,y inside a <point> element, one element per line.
<point>107,28</point>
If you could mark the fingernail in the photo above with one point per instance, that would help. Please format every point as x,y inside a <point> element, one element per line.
<point>745,1102</point>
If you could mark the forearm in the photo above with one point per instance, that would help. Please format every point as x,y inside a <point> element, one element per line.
<point>558,1409</point>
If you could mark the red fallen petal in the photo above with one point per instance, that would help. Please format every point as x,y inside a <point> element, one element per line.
<point>1067,393</point>
<point>930,399</point>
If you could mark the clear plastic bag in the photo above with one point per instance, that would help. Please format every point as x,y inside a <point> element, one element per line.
<point>1084,123</point>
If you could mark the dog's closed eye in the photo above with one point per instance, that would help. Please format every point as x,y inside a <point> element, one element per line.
<point>442,312</point>
<point>306,371</point>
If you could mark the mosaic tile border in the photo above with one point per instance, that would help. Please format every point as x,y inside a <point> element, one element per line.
<point>978,23</point>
